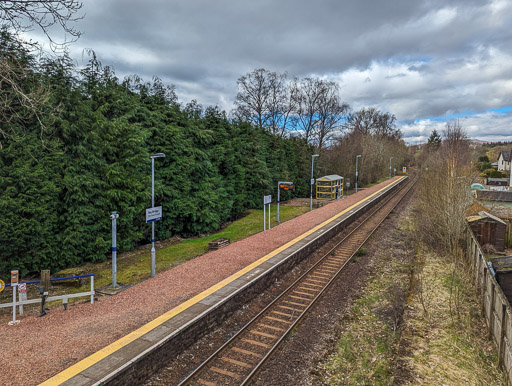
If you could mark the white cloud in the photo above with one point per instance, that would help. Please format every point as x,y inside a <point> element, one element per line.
<point>486,126</point>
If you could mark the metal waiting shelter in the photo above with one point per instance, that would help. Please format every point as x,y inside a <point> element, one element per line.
<point>329,187</point>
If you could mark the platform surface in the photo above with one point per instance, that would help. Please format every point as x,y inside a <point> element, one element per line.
<point>104,363</point>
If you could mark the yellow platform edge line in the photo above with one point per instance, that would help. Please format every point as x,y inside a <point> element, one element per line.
<point>84,364</point>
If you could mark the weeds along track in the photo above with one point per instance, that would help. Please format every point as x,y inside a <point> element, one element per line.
<point>240,358</point>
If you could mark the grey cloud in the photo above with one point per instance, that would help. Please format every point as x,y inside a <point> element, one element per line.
<point>424,59</point>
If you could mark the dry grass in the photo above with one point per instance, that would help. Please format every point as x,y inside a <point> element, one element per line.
<point>444,338</point>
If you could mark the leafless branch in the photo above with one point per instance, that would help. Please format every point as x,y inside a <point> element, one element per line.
<point>27,15</point>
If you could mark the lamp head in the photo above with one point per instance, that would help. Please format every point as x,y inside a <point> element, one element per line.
<point>157,155</point>
<point>315,155</point>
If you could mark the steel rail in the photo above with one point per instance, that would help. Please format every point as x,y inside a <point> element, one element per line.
<point>304,313</point>
<point>363,220</point>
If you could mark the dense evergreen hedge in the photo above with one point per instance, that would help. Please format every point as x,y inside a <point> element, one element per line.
<point>86,153</point>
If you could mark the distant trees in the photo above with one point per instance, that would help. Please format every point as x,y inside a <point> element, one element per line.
<point>443,193</point>
<point>434,141</point>
<point>372,134</point>
<point>310,107</point>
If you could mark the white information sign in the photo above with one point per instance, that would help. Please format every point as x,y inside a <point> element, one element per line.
<point>267,199</point>
<point>404,170</point>
<point>312,181</point>
<point>154,214</point>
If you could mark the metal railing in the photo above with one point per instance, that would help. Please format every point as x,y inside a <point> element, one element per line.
<point>65,298</point>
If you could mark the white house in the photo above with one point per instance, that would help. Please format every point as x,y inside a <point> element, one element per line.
<point>504,161</point>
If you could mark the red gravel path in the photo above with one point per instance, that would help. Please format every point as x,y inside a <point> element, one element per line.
<point>39,348</point>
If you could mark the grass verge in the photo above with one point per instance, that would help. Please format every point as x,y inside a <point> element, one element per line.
<point>134,266</point>
<point>445,339</point>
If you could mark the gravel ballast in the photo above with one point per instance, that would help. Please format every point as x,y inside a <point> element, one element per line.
<point>38,348</point>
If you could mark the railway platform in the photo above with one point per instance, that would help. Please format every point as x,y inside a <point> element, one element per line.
<point>135,356</point>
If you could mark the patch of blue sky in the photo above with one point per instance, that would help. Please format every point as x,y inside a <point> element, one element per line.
<point>449,117</point>
<point>502,110</point>
<point>407,59</point>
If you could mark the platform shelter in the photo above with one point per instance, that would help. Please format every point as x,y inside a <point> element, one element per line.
<point>329,187</point>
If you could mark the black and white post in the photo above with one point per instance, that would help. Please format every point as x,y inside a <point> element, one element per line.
<point>313,156</point>
<point>153,250</point>
<point>114,216</point>
<point>278,195</point>
<point>357,158</point>
<point>267,200</point>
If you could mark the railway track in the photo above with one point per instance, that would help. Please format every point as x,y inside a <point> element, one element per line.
<point>240,358</point>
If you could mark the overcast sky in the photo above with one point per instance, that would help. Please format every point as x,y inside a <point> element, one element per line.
<point>424,61</point>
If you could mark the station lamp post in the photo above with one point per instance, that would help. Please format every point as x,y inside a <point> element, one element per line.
<point>153,250</point>
<point>312,180</point>
<point>114,216</point>
<point>357,157</point>
<point>390,158</point>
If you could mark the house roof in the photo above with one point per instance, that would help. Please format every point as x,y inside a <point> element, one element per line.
<point>484,215</point>
<point>505,154</point>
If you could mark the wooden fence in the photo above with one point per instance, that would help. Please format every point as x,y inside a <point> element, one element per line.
<point>496,308</point>
<point>508,232</point>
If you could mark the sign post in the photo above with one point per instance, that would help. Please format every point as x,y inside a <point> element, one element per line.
<point>22,296</point>
<point>114,216</point>
<point>14,285</point>
<point>267,200</point>
<point>153,214</point>
<point>285,185</point>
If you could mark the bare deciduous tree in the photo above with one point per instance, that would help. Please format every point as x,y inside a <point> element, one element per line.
<point>20,99</point>
<point>318,110</point>
<point>17,101</point>
<point>374,122</point>
<point>280,104</point>
<point>259,96</point>
<point>444,189</point>
<point>310,106</point>
<point>331,113</point>
<point>25,15</point>
<point>307,93</point>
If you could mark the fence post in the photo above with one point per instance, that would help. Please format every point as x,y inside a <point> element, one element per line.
<point>92,289</point>
<point>504,321</point>
<point>491,311</point>
<point>14,290</point>
<point>483,283</point>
